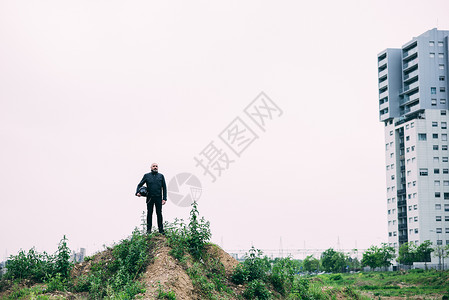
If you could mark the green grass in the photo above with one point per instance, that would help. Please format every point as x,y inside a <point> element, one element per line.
<point>388,284</point>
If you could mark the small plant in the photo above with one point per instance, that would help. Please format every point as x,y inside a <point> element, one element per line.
<point>161,294</point>
<point>256,289</point>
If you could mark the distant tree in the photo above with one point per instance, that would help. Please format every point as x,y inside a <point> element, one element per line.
<point>423,252</point>
<point>441,252</point>
<point>371,257</point>
<point>311,264</point>
<point>333,261</point>
<point>387,254</point>
<point>407,254</point>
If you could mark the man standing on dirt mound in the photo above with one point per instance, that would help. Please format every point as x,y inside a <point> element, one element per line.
<point>156,196</point>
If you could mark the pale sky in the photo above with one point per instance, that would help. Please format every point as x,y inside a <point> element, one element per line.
<point>93,92</point>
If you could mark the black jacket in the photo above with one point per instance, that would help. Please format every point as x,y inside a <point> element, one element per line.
<point>155,183</point>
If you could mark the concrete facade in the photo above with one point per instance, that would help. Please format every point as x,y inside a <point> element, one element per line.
<point>413,105</point>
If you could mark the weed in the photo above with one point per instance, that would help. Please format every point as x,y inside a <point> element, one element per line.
<point>256,289</point>
<point>161,294</point>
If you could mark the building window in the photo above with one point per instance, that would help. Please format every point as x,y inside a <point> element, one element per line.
<point>442,101</point>
<point>446,196</point>
<point>437,194</point>
<point>440,44</point>
<point>391,132</point>
<point>412,124</point>
<point>442,89</point>
<point>441,78</point>
<point>446,207</point>
<point>422,136</point>
<point>444,159</point>
<point>441,66</point>
<point>431,43</point>
<point>435,147</point>
<point>431,55</point>
<point>444,124</point>
<point>436,171</point>
<point>407,138</point>
<point>446,218</point>
<point>439,242</point>
<point>443,147</point>
<point>445,171</point>
<point>392,177</point>
<point>443,112</point>
<point>433,91</point>
<point>433,102</point>
<point>436,160</point>
<point>437,206</point>
<point>446,183</point>
<point>435,135</point>
<point>415,219</point>
<point>414,184</point>
<point>439,230</point>
<point>444,137</point>
<point>423,172</point>
<point>446,230</point>
<point>413,148</point>
<point>438,218</point>
<point>434,124</point>
<point>408,149</point>
<point>415,207</point>
<point>436,183</point>
<point>410,207</point>
<point>416,230</point>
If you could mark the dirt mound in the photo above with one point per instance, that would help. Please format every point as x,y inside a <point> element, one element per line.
<point>228,261</point>
<point>165,273</point>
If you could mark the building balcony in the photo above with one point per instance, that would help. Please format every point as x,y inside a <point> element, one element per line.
<point>382,62</point>
<point>383,106</point>
<point>402,215</point>
<point>409,99</point>
<point>383,84</point>
<point>409,88</point>
<point>409,52</point>
<point>403,238</point>
<point>408,110</point>
<point>409,64</point>
<point>383,94</point>
<point>402,203</point>
<point>383,73</point>
<point>410,75</point>
<point>402,226</point>
<point>401,192</point>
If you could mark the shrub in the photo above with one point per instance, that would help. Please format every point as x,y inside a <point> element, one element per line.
<point>282,275</point>
<point>116,278</point>
<point>240,274</point>
<point>256,289</point>
<point>39,267</point>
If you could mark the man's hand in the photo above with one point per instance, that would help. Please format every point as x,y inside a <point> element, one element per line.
<point>164,201</point>
<point>138,195</point>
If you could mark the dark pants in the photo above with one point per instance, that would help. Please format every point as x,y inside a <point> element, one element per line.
<point>151,202</point>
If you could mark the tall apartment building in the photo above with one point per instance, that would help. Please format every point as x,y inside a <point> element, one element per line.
<point>413,105</point>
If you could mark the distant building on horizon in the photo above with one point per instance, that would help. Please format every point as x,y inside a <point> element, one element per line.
<point>413,105</point>
<point>78,256</point>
